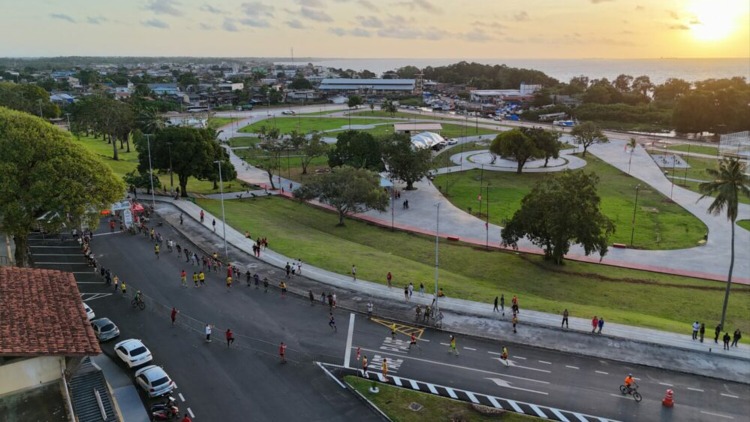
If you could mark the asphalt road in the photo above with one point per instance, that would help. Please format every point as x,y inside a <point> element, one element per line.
<point>220,383</point>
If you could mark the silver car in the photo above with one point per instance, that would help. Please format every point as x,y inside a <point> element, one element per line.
<point>105,329</point>
<point>133,352</point>
<point>154,381</point>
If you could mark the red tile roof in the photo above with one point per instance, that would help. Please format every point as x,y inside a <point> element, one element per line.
<point>41,314</point>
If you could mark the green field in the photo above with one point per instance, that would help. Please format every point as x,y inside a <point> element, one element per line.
<point>291,166</point>
<point>244,142</point>
<point>697,171</point>
<point>660,223</point>
<point>217,122</point>
<point>394,402</point>
<point>745,224</point>
<point>309,124</point>
<point>128,161</point>
<point>622,295</point>
<point>695,149</point>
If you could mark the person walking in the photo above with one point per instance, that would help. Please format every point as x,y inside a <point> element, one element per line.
<point>354,272</point>
<point>332,322</point>
<point>183,278</point>
<point>202,278</point>
<point>173,315</point>
<point>265,284</point>
<point>452,346</point>
<point>393,331</point>
<point>495,308</point>
<point>406,293</point>
<point>717,331</point>
<point>213,223</point>
<point>418,312</point>
<point>312,297</point>
<point>195,279</point>
<point>369,309</point>
<point>421,289</point>
<point>565,319</point>
<point>181,219</point>
<point>702,331</point>
<point>282,286</point>
<point>515,322</point>
<point>601,325</point>
<point>202,215</point>
<point>726,339</point>
<point>123,288</point>
<point>504,356</point>
<point>288,270</point>
<point>364,367</point>
<point>502,304</point>
<point>384,369</point>
<point>594,324</point>
<point>388,279</point>
<point>282,352</point>
<point>207,330</point>
<point>696,328</point>
<point>230,337</point>
<point>736,337</point>
<point>413,342</point>
<point>116,282</point>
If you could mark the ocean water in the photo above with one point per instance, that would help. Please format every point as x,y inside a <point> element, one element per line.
<point>658,70</point>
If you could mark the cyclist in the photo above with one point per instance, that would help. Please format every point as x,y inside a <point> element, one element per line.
<point>138,296</point>
<point>630,383</point>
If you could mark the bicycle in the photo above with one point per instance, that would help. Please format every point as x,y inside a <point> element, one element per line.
<point>139,303</point>
<point>632,391</point>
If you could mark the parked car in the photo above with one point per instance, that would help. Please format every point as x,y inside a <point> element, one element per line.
<point>89,312</point>
<point>288,112</point>
<point>105,329</point>
<point>154,381</point>
<point>133,352</point>
<point>452,141</point>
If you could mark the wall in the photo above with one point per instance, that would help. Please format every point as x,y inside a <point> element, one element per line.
<point>29,373</point>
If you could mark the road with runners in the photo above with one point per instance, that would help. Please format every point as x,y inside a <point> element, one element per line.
<point>247,380</point>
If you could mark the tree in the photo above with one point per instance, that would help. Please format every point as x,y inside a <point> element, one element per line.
<point>694,112</point>
<point>389,107</point>
<point>642,84</point>
<point>560,211</point>
<point>729,182</point>
<point>622,83</point>
<point>356,149</point>
<point>28,98</point>
<point>348,190</point>
<point>354,101</point>
<point>48,181</point>
<point>300,82</point>
<point>404,161</point>
<point>587,134</point>
<point>515,145</point>
<point>272,147</point>
<point>547,142</point>
<point>671,89</point>
<point>312,147</point>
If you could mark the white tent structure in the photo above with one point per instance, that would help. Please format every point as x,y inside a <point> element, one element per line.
<point>426,140</point>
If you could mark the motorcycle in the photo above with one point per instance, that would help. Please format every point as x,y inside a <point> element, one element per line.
<point>166,410</point>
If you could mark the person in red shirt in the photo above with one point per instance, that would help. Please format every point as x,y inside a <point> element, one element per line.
<point>174,314</point>
<point>187,418</point>
<point>282,352</point>
<point>230,337</point>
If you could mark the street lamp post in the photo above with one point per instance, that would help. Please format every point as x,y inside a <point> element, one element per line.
<point>150,171</point>
<point>437,255</point>
<point>223,215</point>
<point>393,202</point>
<point>171,177</point>
<point>635,207</point>
<point>487,221</point>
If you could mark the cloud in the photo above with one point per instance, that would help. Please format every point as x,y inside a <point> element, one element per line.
<point>295,24</point>
<point>359,32</point>
<point>370,21</point>
<point>165,7</point>
<point>257,9</point>
<point>315,15</point>
<point>96,20</point>
<point>521,16</point>
<point>476,35</point>
<point>639,8</point>
<point>367,4</point>
<point>600,1</point>
<point>255,22</point>
<point>62,17</point>
<point>679,27</point>
<point>229,26</point>
<point>210,9</point>
<point>207,27</point>
<point>492,26</point>
<point>423,5</point>
<point>356,32</point>
<point>673,14</point>
<point>311,3</point>
<point>337,31</point>
<point>155,23</point>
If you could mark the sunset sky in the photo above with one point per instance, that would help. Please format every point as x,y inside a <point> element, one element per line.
<point>378,28</point>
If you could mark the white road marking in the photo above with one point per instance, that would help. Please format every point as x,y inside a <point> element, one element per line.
<point>333,377</point>
<point>581,417</point>
<point>716,414</point>
<point>666,384</point>
<point>472,397</point>
<point>545,362</point>
<point>432,388</point>
<point>515,407</point>
<point>602,372</point>
<point>695,389</point>
<point>451,393</point>
<point>495,353</point>
<point>559,415</point>
<point>181,397</point>
<point>397,381</point>
<point>506,384</point>
<point>730,396</point>
<point>620,396</point>
<point>494,402</point>
<point>192,415</point>
<point>513,364</point>
<point>414,385</point>
<point>445,344</point>
<point>538,411</point>
<point>469,348</point>
<point>520,357</point>
<point>175,385</point>
<point>349,335</point>
<point>572,367</point>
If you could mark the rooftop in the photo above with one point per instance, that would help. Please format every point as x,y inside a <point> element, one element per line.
<point>41,314</point>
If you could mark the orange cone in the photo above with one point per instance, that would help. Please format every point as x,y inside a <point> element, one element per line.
<point>668,400</point>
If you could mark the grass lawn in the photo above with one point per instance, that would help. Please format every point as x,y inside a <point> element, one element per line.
<point>309,124</point>
<point>244,141</point>
<point>394,402</point>
<point>697,171</point>
<point>625,296</point>
<point>128,161</point>
<point>745,224</point>
<point>697,149</point>
<point>660,224</point>
<point>444,158</point>
<point>291,167</point>
<point>217,122</point>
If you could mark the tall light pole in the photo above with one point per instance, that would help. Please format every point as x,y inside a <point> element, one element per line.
<point>635,207</point>
<point>437,256</point>
<point>223,215</point>
<point>150,170</point>
<point>393,202</point>
<point>487,221</point>
<point>171,177</point>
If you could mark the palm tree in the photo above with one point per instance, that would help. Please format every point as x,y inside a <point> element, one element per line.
<point>729,182</point>
<point>632,143</point>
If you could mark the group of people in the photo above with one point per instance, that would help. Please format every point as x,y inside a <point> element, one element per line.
<point>699,330</point>
<point>499,306</point>
<point>293,268</point>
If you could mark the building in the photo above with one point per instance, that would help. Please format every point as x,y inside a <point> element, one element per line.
<point>44,332</point>
<point>302,95</point>
<point>164,89</point>
<point>367,86</point>
<point>500,96</point>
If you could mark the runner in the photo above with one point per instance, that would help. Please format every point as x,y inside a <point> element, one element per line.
<point>312,297</point>
<point>265,284</point>
<point>369,309</point>
<point>173,314</point>
<point>256,278</point>
<point>195,278</point>
<point>282,286</point>
<point>229,281</point>
<point>202,278</point>
<point>183,278</point>
<point>413,342</point>
<point>282,352</point>
<point>332,322</point>
<point>156,250</point>
<point>453,348</point>
<point>504,356</point>
<point>230,337</point>
<point>364,367</point>
<point>384,368</point>
<point>393,331</point>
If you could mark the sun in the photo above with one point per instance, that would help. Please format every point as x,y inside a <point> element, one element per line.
<point>714,20</point>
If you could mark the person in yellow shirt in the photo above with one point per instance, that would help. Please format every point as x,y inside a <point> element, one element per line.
<point>123,288</point>
<point>202,278</point>
<point>384,368</point>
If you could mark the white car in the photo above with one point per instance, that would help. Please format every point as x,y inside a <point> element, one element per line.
<point>133,352</point>
<point>288,112</point>
<point>452,142</point>
<point>154,381</point>
<point>89,312</point>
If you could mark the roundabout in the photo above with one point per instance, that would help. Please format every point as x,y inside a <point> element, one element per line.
<point>484,159</point>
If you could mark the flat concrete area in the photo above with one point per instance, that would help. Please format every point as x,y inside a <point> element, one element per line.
<point>45,403</point>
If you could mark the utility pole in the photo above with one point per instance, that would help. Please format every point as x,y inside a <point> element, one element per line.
<point>223,215</point>
<point>150,170</point>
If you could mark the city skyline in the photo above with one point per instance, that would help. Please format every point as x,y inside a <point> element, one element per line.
<point>477,29</point>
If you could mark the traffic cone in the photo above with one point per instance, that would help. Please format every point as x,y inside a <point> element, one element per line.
<point>668,400</point>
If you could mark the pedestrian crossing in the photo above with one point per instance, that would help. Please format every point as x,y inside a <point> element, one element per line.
<point>516,406</point>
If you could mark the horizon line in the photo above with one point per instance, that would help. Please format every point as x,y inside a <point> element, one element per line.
<point>320,58</point>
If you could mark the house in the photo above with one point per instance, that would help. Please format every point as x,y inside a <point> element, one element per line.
<point>164,89</point>
<point>44,332</point>
<point>499,96</point>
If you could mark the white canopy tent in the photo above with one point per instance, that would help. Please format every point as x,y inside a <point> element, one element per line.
<point>426,140</point>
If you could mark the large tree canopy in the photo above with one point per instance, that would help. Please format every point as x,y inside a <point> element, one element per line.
<point>348,190</point>
<point>515,145</point>
<point>559,211</point>
<point>356,149</point>
<point>404,161</point>
<point>47,180</point>
<point>30,98</point>
<point>587,134</point>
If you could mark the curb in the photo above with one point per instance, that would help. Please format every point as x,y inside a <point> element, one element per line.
<point>368,403</point>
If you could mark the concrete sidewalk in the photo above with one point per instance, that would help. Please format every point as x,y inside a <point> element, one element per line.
<point>127,400</point>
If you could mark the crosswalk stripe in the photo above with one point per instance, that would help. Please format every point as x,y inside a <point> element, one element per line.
<point>494,402</point>
<point>538,411</point>
<point>432,388</point>
<point>472,397</point>
<point>515,406</point>
<point>451,392</point>
<point>414,385</point>
<point>559,415</point>
<point>580,417</point>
